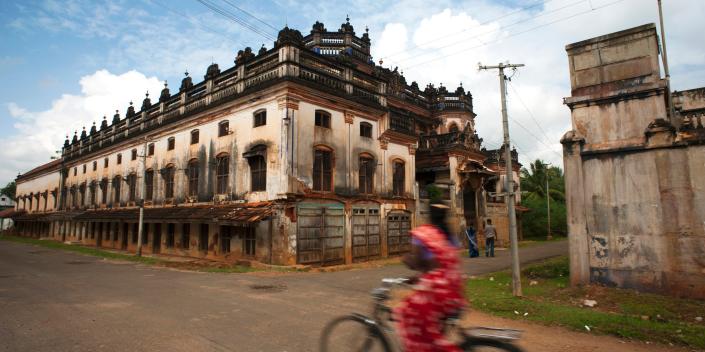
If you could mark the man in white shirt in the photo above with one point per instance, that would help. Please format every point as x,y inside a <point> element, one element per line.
<point>490,234</point>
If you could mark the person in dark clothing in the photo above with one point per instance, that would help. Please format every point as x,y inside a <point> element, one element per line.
<point>471,235</point>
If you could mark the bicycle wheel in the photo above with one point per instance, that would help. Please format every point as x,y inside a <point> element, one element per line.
<point>353,333</point>
<point>473,344</point>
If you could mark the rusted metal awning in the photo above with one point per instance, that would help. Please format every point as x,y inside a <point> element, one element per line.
<point>63,215</point>
<point>10,213</point>
<point>232,213</point>
<point>475,167</point>
<point>30,217</point>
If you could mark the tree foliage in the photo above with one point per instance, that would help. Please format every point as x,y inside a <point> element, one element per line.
<point>534,189</point>
<point>9,189</point>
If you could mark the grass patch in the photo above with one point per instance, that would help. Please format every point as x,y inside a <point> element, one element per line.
<point>82,250</point>
<point>619,312</point>
<point>220,268</point>
<point>533,241</point>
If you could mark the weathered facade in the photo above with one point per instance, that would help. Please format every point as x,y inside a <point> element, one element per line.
<point>635,201</point>
<point>305,153</point>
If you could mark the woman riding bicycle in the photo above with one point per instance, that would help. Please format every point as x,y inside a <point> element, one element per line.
<point>437,290</point>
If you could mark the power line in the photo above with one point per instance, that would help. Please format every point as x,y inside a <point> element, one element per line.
<point>194,20</point>
<point>534,136</point>
<point>507,26</point>
<point>467,29</point>
<point>529,112</point>
<point>251,15</point>
<point>515,34</point>
<point>229,15</point>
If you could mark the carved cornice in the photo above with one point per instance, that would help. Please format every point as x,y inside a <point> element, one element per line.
<point>384,143</point>
<point>285,102</point>
<point>349,117</point>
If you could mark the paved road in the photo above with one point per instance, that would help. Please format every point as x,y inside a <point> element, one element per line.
<point>58,301</point>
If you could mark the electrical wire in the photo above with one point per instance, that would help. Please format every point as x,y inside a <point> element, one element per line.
<point>529,111</point>
<point>515,34</point>
<point>193,20</point>
<point>467,29</point>
<point>529,19</point>
<point>251,15</point>
<point>229,15</point>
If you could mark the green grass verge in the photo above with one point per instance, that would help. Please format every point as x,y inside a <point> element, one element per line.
<point>127,257</point>
<point>533,241</point>
<point>622,313</point>
<point>82,250</point>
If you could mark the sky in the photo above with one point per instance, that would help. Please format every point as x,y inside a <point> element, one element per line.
<point>66,64</point>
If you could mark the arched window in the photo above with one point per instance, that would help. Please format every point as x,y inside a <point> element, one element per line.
<point>168,174</point>
<point>453,127</point>
<point>132,187</point>
<point>82,190</point>
<point>398,174</point>
<point>365,129</point>
<point>222,173</point>
<point>257,157</point>
<point>223,128</point>
<point>366,174</point>
<point>104,191</point>
<point>192,172</point>
<point>322,118</point>
<point>92,189</point>
<point>148,184</point>
<point>116,189</point>
<point>322,169</point>
<point>170,143</point>
<point>260,118</point>
<point>194,137</point>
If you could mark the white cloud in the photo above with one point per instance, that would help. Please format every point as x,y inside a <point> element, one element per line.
<point>453,37</point>
<point>40,133</point>
<point>452,33</point>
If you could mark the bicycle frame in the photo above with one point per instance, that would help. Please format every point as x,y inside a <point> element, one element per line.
<point>451,324</point>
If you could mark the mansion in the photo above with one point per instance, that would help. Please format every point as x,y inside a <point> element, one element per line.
<point>305,153</point>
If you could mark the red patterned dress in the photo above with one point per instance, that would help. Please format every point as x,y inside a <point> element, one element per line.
<point>437,294</point>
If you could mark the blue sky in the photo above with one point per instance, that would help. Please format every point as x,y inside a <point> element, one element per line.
<point>66,63</point>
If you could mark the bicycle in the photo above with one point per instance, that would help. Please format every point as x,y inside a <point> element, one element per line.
<point>372,333</point>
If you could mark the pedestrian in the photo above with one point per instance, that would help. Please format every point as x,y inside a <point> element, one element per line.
<point>490,234</point>
<point>471,235</point>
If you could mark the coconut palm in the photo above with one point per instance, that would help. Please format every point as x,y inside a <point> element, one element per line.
<point>533,181</point>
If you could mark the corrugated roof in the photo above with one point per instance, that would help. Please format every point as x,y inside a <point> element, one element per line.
<point>50,166</point>
<point>10,213</point>
<point>237,213</point>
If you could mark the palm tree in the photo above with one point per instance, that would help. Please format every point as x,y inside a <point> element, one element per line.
<point>533,181</point>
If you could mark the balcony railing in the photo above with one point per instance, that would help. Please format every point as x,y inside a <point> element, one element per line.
<point>309,67</point>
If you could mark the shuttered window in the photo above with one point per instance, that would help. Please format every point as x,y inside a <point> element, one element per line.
<point>322,170</point>
<point>366,175</point>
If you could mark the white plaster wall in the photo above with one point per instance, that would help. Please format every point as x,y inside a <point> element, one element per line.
<point>46,182</point>
<point>210,145</point>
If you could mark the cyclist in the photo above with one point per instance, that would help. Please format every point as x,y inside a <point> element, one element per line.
<point>437,289</point>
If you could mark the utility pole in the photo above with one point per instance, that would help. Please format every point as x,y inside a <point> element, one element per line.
<point>548,203</point>
<point>140,226</point>
<point>664,56</point>
<point>509,180</point>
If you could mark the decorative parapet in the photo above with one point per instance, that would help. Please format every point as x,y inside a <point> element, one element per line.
<point>660,133</point>
<point>287,102</point>
<point>288,60</point>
